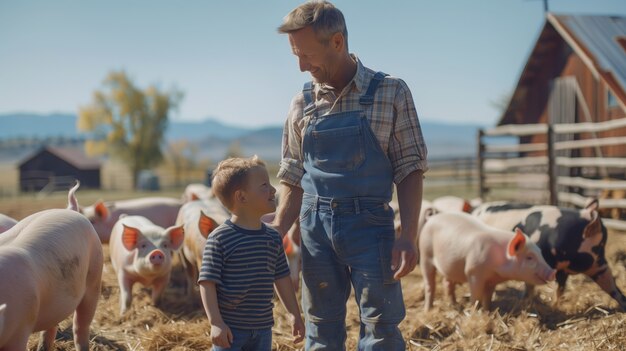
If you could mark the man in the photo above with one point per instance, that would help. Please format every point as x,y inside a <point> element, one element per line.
<point>348,137</point>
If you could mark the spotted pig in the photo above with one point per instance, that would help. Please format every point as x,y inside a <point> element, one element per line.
<point>571,241</point>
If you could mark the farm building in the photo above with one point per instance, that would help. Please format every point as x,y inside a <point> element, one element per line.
<point>568,111</point>
<point>53,167</point>
<point>576,73</point>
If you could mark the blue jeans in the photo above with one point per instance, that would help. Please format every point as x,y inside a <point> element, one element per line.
<point>249,340</point>
<point>348,243</point>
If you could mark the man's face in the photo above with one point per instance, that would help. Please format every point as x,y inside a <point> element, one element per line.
<point>314,57</point>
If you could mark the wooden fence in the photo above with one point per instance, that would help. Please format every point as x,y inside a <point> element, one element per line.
<point>448,176</point>
<point>551,170</point>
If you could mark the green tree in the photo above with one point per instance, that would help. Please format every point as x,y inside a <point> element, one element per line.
<point>128,123</point>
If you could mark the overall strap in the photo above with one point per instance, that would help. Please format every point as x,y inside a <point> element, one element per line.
<point>309,104</point>
<point>368,97</point>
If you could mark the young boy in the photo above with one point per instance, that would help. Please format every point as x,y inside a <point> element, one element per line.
<point>243,260</point>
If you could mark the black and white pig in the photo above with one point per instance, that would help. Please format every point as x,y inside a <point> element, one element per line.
<point>571,241</point>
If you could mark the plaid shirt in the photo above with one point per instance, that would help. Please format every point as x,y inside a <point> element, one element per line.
<point>393,120</point>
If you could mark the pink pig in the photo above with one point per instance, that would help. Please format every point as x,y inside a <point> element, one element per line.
<point>451,203</point>
<point>162,211</point>
<point>197,191</point>
<point>141,252</point>
<point>200,218</point>
<point>463,249</point>
<point>50,266</point>
<point>6,223</point>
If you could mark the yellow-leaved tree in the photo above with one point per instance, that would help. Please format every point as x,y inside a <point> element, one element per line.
<point>182,156</point>
<point>128,123</point>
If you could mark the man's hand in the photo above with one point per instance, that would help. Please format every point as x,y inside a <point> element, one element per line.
<point>221,335</point>
<point>404,257</point>
<point>297,329</point>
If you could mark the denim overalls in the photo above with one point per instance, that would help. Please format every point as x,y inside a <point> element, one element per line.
<point>347,230</point>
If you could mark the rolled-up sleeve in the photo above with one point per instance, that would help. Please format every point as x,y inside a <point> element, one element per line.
<point>291,169</point>
<point>407,148</point>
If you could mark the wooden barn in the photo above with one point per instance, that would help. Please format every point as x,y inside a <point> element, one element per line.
<point>568,112</point>
<point>55,167</point>
<point>576,73</point>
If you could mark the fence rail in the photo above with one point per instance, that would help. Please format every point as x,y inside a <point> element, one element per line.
<point>451,175</point>
<point>561,179</point>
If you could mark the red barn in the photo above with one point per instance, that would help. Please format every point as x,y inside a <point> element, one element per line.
<point>576,73</point>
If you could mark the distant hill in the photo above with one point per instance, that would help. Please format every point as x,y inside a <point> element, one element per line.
<point>31,125</point>
<point>214,138</point>
<point>198,130</point>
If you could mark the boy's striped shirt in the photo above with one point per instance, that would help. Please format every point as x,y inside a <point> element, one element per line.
<point>244,265</point>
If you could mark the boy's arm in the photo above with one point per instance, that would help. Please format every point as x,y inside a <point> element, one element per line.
<point>220,333</point>
<point>287,296</point>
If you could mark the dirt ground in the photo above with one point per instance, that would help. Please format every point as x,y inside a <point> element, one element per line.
<point>585,319</point>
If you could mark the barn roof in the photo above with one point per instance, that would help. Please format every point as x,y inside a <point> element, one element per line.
<point>600,42</point>
<point>74,156</point>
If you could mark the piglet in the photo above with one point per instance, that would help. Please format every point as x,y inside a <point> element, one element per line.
<point>199,218</point>
<point>197,191</point>
<point>571,240</point>
<point>50,266</point>
<point>451,203</point>
<point>162,211</point>
<point>463,249</point>
<point>141,252</point>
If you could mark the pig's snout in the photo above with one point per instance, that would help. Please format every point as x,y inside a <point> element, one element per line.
<point>157,257</point>
<point>547,275</point>
<point>551,275</point>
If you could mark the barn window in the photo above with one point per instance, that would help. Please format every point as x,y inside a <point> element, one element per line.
<point>611,101</point>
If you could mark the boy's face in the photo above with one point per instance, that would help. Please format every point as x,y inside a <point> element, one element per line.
<point>259,192</point>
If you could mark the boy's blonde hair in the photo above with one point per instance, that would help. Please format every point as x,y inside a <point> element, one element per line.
<point>231,175</point>
<point>322,16</point>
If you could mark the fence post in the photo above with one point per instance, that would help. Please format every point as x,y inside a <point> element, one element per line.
<point>481,175</point>
<point>551,166</point>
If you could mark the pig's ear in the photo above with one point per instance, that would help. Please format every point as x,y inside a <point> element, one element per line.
<point>287,245</point>
<point>130,236</point>
<point>467,207</point>
<point>206,224</point>
<point>594,227</point>
<point>177,236</point>
<point>517,243</point>
<point>101,210</point>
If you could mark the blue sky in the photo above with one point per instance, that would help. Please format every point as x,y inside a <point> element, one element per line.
<point>457,56</point>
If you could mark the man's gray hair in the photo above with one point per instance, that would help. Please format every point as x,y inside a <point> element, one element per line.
<point>322,16</point>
